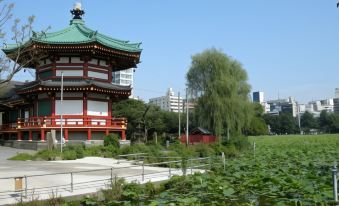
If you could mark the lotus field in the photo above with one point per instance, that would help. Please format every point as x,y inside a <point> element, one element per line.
<point>281,170</point>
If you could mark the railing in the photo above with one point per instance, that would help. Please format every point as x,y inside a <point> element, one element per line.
<point>335,182</point>
<point>8,127</point>
<point>68,121</point>
<point>73,182</point>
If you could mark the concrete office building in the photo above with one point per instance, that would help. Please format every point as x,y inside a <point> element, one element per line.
<point>169,102</point>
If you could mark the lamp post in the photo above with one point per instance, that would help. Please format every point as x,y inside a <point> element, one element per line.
<point>179,127</point>
<point>187,116</point>
<point>61,119</point>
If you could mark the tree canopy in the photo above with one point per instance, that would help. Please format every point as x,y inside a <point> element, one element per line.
<point>219,86</point>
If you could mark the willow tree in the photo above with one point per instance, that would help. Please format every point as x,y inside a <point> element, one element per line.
<point>218,84</point>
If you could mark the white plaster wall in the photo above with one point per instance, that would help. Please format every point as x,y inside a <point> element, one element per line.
<point>69,107</point>
<point>97,75</point>
<point>69,122</point>
<point>97,108</point>
<point>76,60</point>
<point>70,73</point>
<point>103,63</point>
<point>93,61</point>
<point>98,122</point>
<point>63,60</point>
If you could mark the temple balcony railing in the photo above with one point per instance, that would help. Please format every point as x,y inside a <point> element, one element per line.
<point>69,121</point>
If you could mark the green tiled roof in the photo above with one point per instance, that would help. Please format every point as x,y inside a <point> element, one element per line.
<point>77,33</point>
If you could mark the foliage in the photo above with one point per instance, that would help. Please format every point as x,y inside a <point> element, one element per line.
<point>308,122</point>
<point>286,170</point>
<point>154,120</point>
<point>257,125</point>
<point>112,139</point>
<point>282,124</point>
<point>219,85</point>
<point>329,122</point>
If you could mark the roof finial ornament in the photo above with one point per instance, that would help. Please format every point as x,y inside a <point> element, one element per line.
<point>77,12</point>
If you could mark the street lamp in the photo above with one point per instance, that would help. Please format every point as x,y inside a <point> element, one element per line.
<point>61,119</point>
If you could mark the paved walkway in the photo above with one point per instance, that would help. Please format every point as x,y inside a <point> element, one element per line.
<point>61,184</point>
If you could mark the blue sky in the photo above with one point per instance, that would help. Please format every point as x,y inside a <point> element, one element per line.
<point>289,47</point>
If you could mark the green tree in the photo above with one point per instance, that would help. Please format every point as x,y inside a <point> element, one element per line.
<point>258,125</point>
<point>308,122</point>
<point>282,124</point>
<point>19,34</point>
<point>145,118</point>
<point>219,85</point>
<point>287,124</point>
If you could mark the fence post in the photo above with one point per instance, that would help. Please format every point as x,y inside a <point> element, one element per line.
<point>112,176</point>
<point>71,181</point>
<point>169,171</point>
<point>335,183</point>
<point>143,171</point>
<point>191,166</point>
<point>25,186</point>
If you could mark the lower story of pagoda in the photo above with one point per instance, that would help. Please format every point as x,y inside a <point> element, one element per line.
<point>75,128</point>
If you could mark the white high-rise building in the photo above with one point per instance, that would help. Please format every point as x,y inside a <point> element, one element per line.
<point>170,102</point>
<point>124,77</point>
<point>336,101</point>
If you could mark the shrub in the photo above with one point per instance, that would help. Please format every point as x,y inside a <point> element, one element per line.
<point>47,155</point>
<point>112,139</point>
<point>69,155</point>
<point>79,150</point>
<point>203,150</point>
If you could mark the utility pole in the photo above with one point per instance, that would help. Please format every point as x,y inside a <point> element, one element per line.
<point>179,126</point>
<point>61,100</point>
<point>187,116</point>
<point>299,123</point>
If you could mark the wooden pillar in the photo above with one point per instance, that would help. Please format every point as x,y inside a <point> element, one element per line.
<point>54,66</point>
<point>19,136</point>
<point>85,74</point>
<point>66,135</point>
<point>123,135</point>
<point>84,108</point>
<point>107,132</point>
<point>30,137</point>
<point>89,134</point>
<point>42,135</point>
<point>53,109</point>
<point>35,109</point>
<point>109,119</point>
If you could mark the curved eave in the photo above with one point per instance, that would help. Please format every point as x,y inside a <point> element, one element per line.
<point>124,49</point>
<point>40,88</point>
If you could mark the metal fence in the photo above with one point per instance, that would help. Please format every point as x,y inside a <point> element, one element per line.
<point>335,175</point>
<point>76,182</point>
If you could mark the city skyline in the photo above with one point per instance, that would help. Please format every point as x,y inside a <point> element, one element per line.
<point>288,48</point>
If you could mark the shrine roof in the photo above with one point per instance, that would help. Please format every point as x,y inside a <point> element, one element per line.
<point>75,84</point>
<point>7,90</point>
<point>76,34</point>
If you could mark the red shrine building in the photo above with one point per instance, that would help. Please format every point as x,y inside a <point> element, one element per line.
<point>86,59</point>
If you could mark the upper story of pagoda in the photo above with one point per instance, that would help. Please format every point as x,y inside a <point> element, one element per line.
<point>77,52</point>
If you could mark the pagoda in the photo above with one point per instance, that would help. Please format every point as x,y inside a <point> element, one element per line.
<point>81,58</point>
